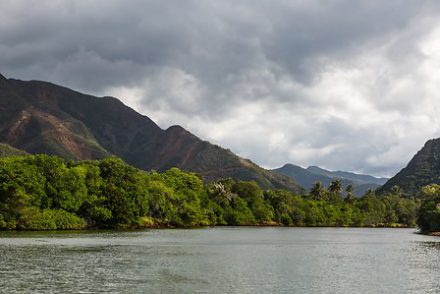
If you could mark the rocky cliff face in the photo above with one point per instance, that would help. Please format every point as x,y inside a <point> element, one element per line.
<point>41,117</point>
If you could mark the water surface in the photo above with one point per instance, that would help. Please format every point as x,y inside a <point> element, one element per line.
<point>221,260</point>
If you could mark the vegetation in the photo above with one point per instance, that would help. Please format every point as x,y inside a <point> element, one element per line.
<point>307,177</point>
<point>422,170</point>
<point>429,213</point>
<point>7,150</point>
<point>41,192</point>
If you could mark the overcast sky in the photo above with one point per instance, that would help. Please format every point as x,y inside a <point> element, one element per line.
<point>349,85</point>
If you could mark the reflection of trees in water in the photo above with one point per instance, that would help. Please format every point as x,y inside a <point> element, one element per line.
<point>429,244</point>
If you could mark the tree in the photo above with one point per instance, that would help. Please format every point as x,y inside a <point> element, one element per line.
<point>370,192</point>
<point>335,186</point>
<point>429,213</point>
<point>120,190</point>
<point>350,198</point>
<point>318,191</point>
<point>335,189</point>
<point>251,192</point>
<point>396,190</point>
<point>46,193</point>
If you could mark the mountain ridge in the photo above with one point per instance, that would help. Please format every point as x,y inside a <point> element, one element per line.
<point>348,175</point>
<point>42,117</point>
<point>306,177</point>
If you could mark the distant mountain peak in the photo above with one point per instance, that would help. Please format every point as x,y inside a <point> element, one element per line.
<point>291,165</point>
<point>316,168</point>
<point>176,128</point>
<point>313,166</point>
<point>306,177</point>
<point>347,175</point>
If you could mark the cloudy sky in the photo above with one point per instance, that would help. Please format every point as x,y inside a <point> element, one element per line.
<point>350,85</point>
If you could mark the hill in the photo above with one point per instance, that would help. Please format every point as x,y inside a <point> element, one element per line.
<point>356,178</point>
<point>41,117</point>
<point>422,170</point>
<point>306,177</point>
<point>6,150</point>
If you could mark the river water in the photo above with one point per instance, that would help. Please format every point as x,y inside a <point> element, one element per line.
<point>221,260</point>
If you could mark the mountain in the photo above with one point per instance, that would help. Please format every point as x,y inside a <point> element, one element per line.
<point>422,170</point>
<point>6,150</point>
<point>302,176</point>
<point>41,117</point>
<point>306,177</point>
<point>356,178</point>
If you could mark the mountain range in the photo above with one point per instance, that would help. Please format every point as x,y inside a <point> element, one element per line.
<point>306,177</point>
<point>41,117</point>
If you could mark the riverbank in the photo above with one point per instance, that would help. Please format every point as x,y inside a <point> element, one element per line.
<point>435,234</point>
<point>165,226</point>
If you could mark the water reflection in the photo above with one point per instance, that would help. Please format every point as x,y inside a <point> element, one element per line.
<point>429,244</point>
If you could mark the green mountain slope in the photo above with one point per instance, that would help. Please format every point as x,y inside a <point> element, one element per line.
<point>6,150</point>
<point>422,170</point>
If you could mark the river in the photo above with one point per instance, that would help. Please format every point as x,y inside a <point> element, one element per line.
<point>221,260</point>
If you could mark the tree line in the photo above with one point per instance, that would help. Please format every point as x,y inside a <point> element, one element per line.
<point>41,192</point>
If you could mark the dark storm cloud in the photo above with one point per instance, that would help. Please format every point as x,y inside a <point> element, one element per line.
<point>209,39</point>
<point>314,82</point>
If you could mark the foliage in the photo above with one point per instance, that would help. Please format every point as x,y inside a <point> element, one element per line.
<point>40,192</point>
<point>429,213</point>
<point>7,150</point>
<point>422,170</point>
<point>35,219</point>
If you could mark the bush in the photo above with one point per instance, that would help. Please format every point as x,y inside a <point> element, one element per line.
<point>67,221</point>
<point>33,218</point>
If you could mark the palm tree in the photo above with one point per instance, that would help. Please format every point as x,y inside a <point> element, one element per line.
<point>350,198</point>
<point>335,186</point>
<point>335,189</point>
<point>318,191</point>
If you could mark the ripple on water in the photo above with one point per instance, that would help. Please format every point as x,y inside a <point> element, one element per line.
<point>221,260</point>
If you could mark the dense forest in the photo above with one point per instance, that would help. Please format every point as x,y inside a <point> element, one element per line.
<point>41,192</point>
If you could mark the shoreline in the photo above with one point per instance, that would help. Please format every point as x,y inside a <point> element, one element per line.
<point>434,234</point>
<point>168,227</point>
